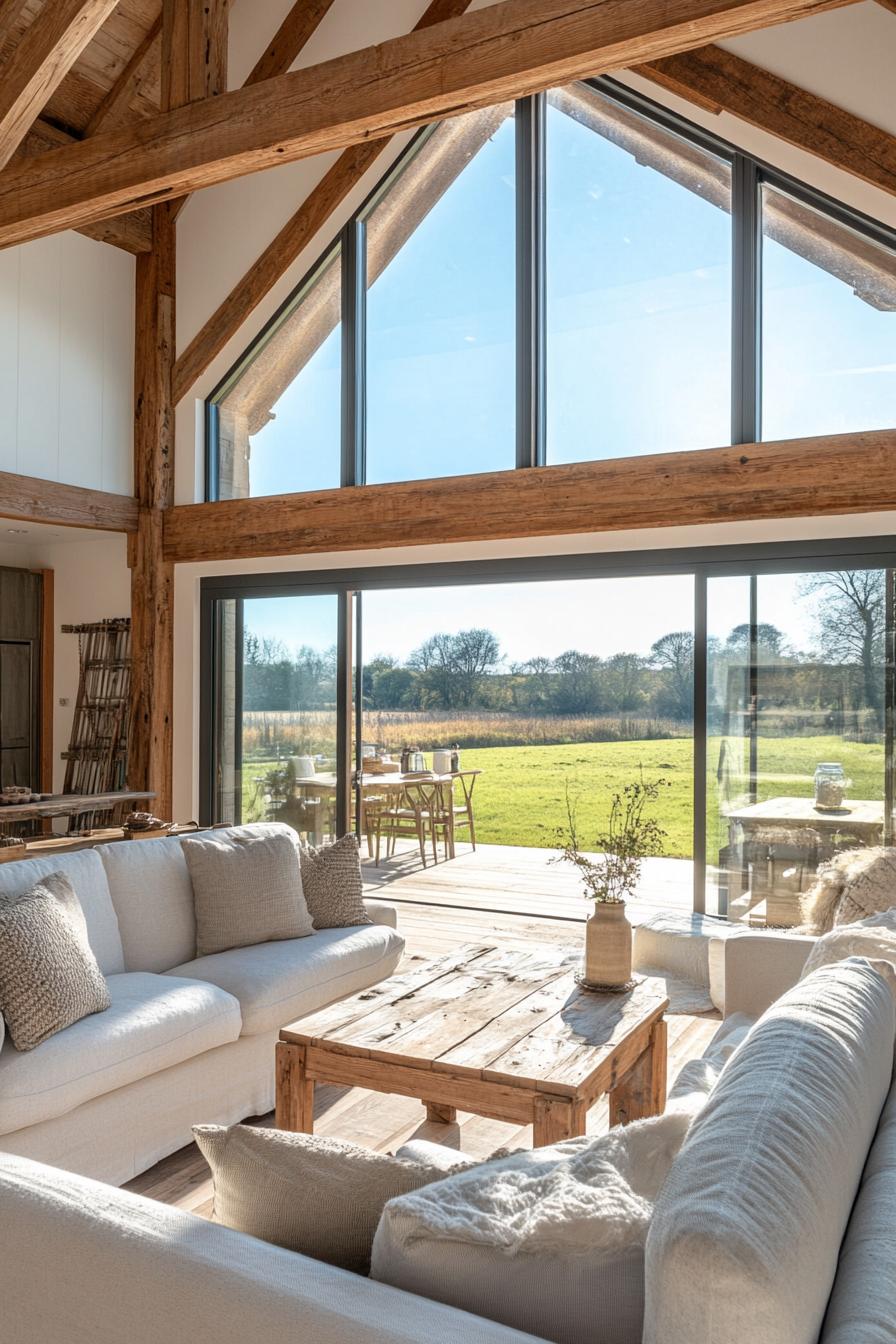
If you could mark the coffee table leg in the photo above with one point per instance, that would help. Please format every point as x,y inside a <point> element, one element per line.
<point>295,1090</point>
<point>642,1092</point>
<point>557,1118</point>
<point>439,1113</point>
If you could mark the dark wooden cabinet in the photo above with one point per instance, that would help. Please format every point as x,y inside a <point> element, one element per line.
<point>21,606</point>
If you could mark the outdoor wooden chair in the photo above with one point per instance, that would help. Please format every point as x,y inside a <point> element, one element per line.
<point>462,811</point>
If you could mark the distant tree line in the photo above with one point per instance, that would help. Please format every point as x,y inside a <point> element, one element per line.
<point>466,670</point>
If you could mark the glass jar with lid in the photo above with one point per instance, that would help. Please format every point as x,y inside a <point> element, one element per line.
<point>830,786</point>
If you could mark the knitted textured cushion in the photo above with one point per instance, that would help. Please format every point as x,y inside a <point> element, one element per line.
<point>247,887</point>
<point>853,885</point>
<point>317,1196</point>
<point>331,880</point>
<point>49,978</point>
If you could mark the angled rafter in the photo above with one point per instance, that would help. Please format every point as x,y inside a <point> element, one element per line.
<point>503,51</point>
<point>888,4</point>
<point>40,61</point>
<point>289,39</point>
<point>142,69</point>
<point>296,234</point>
<point>718,79</point>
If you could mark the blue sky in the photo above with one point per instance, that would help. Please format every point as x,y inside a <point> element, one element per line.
<point>639,321</point>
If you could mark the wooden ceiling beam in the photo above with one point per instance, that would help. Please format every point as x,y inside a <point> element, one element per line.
<point>28,499</point>
<point>298,231</point>
<point>40,61</point>
<point>142,69</point>
<point>836,474</point>
<point>888,4</point>
<point>194,51</point>
<point>289,39</point>
<point>504,51</point>
<point>131,232</point>
<point>717,79</point>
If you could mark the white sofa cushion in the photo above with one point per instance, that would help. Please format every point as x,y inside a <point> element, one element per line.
<point>862,1309</point>
<point>746,1232</point>
<point>154,1021</point>
<point>278,982</point>
<point>153,899</point>
<point>87,876</point>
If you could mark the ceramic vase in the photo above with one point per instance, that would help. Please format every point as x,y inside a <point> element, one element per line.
<point>608,946</point>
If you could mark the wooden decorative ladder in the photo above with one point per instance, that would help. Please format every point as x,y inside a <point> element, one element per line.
<point>96,760</point>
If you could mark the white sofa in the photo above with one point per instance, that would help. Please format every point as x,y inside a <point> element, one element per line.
<point>186,1040</point>
<point>86,1264</point>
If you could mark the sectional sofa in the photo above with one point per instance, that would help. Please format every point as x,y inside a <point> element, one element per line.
<point>186,1039</point>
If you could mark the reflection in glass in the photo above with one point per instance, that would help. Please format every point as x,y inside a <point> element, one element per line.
<point>638,285</point>
<point>276,717</point>
<point>798,691</point>
<point>441,306</point>
<point>279,423</point>
<point>828,324</point>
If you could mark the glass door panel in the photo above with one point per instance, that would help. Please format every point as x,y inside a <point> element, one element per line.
<point>728,703</point>
<point>277,739</point>
<point>799,733</point>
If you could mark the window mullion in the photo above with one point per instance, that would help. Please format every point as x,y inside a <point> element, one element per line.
<point>354,353</point>
<point>746,333</point>
<point>530,282</point>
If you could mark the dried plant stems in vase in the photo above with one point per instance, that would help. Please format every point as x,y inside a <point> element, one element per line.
<point>610,875</point>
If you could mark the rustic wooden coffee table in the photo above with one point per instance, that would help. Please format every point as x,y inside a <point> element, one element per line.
<point>503,1034</point>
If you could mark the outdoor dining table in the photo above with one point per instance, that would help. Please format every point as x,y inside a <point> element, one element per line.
<point>394,782</point>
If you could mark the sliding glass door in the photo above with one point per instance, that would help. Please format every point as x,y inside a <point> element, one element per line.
<point>799,732</point>
<point>758,683</point>
<point>278,739</point>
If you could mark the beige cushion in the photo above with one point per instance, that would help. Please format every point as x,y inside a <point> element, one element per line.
<point>746,1233</point>
<point>152,1023</point>
<point>332,884</point>
<point>49,978</point>
<point>318,1196</point>
<point>87,876</point>
<point>862,1309</point>
<point>153,899</point>
<point>278,982</point>
<point>247,887</point>
<point>551,1240</point>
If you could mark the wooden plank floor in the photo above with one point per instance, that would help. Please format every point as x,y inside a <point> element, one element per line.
<point>384,1122</point>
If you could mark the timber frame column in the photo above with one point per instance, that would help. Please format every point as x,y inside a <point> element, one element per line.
<point>150,736</point>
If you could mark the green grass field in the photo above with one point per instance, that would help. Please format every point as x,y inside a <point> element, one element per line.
<point>520,795</point>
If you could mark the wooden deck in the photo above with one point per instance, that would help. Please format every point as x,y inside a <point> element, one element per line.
<point>510,879</point>
<point>508,894</point>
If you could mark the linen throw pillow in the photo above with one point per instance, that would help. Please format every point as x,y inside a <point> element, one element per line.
<point>247,887</point>
<point>317,1196</point>
<point>332,883</point>
<point>49,977</point>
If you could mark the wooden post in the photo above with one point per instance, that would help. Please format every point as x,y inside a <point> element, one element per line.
<point>150,739</point>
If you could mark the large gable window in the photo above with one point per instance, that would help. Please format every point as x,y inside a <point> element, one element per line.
<point>582,275</point>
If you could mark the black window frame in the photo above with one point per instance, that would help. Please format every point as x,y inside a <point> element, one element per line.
<point>748,176</point>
